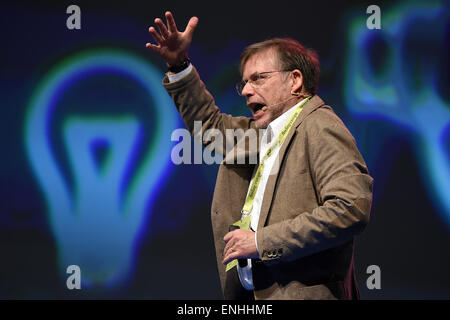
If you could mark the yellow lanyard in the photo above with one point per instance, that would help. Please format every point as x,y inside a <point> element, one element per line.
<point>244,222</point>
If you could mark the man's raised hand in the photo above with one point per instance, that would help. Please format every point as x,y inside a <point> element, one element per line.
<point>171,44</point>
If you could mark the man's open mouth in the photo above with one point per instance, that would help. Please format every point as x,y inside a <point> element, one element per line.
<point>256,107</point>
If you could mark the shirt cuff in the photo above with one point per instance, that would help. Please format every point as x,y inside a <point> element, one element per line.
<point>180,75</point>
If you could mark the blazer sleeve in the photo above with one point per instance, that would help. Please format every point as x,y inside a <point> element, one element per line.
<point>195,103</point>
<point>344,189</point>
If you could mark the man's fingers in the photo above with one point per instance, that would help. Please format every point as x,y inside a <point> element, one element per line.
<point>162,28</point>
<point>152,47</point>
<point>239,244</point>
<point>192,24</point>
<point>171,22</point>
<point>155,35</point>
<point>229,254</point>
<point>228,236</point>
<point>171,44</point>
<point>230,250</point>
<point>228,247</point>
<point>230,257</point>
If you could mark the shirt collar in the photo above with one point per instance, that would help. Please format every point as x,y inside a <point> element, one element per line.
<point>274,128</point>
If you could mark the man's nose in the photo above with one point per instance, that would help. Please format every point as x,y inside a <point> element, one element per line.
<point>247,90</point>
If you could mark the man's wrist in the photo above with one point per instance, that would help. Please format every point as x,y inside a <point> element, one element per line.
<point>178,67</point>
<point>173,77</point>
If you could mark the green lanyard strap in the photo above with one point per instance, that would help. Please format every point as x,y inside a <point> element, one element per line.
<point>244,222</point>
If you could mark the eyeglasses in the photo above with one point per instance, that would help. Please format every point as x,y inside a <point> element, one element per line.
<point>255,80</point>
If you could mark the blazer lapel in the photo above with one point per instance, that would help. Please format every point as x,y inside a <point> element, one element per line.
<point>314,103</point>
<point>245,151</point>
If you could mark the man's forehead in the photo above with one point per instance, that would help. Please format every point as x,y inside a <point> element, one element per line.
<point>259,62</point>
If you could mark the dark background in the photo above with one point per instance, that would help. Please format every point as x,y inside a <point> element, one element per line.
<point>402,139</point>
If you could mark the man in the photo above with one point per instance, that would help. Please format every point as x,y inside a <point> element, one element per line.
<point>310,193</point>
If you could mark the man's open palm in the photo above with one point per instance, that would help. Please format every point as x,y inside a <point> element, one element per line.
<point>171,44</point>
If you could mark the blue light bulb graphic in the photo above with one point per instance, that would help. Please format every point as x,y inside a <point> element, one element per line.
<point>98,226</point>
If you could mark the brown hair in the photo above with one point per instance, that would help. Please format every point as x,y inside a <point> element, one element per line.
<point>291,55</point>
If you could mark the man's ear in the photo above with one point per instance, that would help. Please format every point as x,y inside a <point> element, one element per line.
<point>297,81</point>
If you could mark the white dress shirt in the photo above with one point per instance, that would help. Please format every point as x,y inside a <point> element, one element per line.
<point>271,166</point>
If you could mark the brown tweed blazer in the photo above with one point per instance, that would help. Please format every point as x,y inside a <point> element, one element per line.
<point>312,208</point>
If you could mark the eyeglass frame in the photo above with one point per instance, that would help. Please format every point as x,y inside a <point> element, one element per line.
<point>240,85</point>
